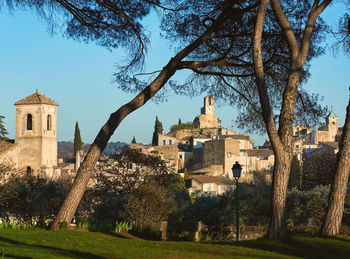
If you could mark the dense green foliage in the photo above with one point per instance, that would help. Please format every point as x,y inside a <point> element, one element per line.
<point>182,126</point>
<point>3,131</point>
<point>33,199</point>
<point>77,139</point>
<point>40,243</point>
<point>307,207</point>
<point>295,177</point>
<point>319,168</point>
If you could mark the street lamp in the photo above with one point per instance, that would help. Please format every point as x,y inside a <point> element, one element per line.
<point>236,170</point>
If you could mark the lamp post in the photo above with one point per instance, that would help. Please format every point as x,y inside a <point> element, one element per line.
<point>236,170</point>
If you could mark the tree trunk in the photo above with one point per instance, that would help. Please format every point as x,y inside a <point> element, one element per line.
<point>334,213</point>
<point>81,180</point>
<point>277,226</point>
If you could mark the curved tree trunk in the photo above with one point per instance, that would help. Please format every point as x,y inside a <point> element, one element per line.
<point>81,180</point>
<point>334,213</point>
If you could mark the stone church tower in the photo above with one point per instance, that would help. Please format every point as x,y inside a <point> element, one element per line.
<point>36,133</point>
<point>207,119</point>
<point>332,121</point>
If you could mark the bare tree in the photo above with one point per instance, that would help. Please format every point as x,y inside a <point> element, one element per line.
<point>128,170</point>
<point>8,175</point>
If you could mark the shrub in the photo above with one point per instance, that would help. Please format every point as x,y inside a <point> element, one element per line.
<point>63,224</point>
<point>306,207</point>
<point>35,200</point>
<point>122,226</point>
<point>182,126</point>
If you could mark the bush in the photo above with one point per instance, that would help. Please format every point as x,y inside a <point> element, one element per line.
<point>35,200</point>
<point>182,126</point>
<point>219,212</point>
<point>63,224</point>
<point>306,207</point>
<point>122,226</point>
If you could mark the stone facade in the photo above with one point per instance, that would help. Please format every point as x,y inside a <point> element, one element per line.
<point>325,137</point>
<point>222,152</point>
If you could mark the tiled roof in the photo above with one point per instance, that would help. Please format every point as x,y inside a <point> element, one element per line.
<point>219,180</point>
<point>5,146</point>
<point>332,115</point>
<point>260,152</point>
<point>36,98</point>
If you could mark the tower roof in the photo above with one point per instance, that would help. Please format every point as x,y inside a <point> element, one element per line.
<point>332,114</point>
<point>36,98</point>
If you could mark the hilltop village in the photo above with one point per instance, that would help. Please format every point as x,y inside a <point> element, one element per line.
<point>203,150</point>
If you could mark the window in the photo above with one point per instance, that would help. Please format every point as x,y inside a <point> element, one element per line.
<point>164,142</point>
<point>29,122</point>
<point>180,156</point>
<point>170,142</point>
<point>48,122</point>
<point>29,170</point>
<point>297,146</point>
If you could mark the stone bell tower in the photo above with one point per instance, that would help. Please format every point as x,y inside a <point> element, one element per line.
<point>207,118</point>
<point>36,133</point>
<point>332,121</point>
<point>208,107</point>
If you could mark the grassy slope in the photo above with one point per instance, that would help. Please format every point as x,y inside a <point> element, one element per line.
<point>60,244</point>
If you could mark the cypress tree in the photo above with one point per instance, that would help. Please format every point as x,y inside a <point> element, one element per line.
<point>295,178</point>
<point>133,140</point>
<point>180,121</point>
<point>158,129</point>
<point>77,139</point>
<point>3,131</point>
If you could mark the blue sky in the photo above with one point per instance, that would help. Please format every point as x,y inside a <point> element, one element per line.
<point>78,76</point>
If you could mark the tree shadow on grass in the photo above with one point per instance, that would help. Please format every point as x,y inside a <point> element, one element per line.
<point>55,250</point>
<point>305,247</point>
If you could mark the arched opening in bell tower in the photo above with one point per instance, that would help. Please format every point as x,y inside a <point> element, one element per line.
<point>29,122</point>
<point>49,122</point>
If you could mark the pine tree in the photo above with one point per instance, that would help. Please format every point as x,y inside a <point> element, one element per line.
<point>158,129</point>
<point>133,140</point>
<point>3,131</point>
<point>77,139</point>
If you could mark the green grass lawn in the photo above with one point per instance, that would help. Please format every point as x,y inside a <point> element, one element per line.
<point>39,243</point>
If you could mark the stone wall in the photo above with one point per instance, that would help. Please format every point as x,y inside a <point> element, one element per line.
<point>247,232</point>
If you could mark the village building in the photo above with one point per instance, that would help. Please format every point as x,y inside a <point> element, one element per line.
<point>208,151</point>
